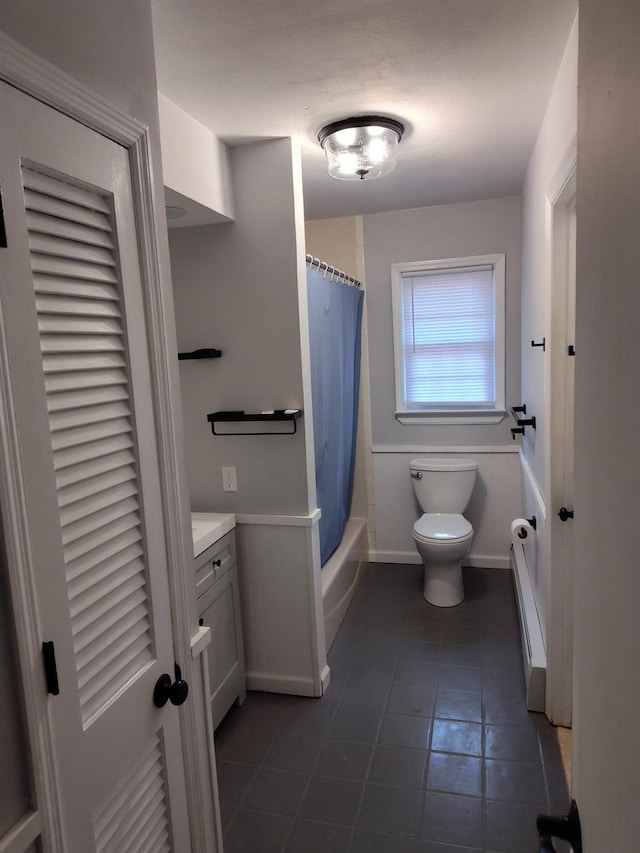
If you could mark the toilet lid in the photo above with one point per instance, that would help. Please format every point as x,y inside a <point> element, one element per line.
<point>442,526</point>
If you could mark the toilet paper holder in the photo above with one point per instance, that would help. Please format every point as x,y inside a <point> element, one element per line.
<point>522,534</point>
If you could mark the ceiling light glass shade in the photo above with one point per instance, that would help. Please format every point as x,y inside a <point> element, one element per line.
<point>362,147</point>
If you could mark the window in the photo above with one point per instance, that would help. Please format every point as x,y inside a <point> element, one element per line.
<point>449,340</point>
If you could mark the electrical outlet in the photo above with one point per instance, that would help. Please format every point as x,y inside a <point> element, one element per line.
<point>229,480</point>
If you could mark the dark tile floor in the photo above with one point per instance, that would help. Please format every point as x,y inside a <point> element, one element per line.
<point>421,744</point>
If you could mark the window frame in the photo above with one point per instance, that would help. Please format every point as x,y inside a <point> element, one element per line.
<point>452,415</point>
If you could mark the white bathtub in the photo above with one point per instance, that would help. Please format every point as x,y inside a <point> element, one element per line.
<point>341,575</point>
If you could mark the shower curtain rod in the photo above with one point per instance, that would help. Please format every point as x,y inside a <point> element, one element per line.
<point>332,272</point>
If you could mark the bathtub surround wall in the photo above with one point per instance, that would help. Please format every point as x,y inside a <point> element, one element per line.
<point>238,287</point>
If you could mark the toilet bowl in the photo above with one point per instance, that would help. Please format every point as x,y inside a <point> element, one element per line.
<point>443,541</point>
<point>442,535</point>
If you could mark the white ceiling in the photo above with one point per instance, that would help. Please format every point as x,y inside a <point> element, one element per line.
<point>470,79</point>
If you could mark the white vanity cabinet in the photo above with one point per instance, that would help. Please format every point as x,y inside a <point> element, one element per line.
<point>216,578</point>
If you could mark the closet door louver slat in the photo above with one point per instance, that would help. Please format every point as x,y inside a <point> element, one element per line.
<point>56,190</point>
<point>87,563</point>
<point>110,571</point>
<point>49,284</point>
<point>101,598</point>
<point>54,304</point>
<point>102,497</point>
<point>83,346</point>
<point>41,223</point>
<point>86,379</point>
<point>94,485</point>
<point>80,425</point>
<point>135,819</point>
<point>66,211</point>
<point>54,246</point>
<point>83,398</point>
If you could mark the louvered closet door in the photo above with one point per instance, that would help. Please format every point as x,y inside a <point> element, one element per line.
<point>73,322</point>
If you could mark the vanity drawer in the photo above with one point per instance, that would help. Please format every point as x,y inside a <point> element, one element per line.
<point>214,562</point>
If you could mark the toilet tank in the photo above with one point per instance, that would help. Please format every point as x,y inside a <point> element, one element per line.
<point>443,485</point>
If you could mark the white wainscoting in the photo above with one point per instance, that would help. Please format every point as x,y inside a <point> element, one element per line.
<point>495,502</point>
<point>536,549</point>
<point>281,601</point>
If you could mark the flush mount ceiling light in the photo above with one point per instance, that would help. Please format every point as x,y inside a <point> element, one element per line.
<point>361,147</point>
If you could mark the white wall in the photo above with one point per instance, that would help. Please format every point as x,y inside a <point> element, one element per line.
<point>236,289</point>
<point>446,231</point>
<point>106,46</point>
<point>195,167</point>
<point>491,508</point>
<point>555,139</point>
<point>241,288</point>
<point>606,761</point>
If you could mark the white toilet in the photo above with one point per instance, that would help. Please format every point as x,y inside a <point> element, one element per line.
<point>442,534</point>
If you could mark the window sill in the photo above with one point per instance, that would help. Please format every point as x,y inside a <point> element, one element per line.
<point>492,416</point>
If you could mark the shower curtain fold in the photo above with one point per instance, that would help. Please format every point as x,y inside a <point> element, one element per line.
<point>335,322</point>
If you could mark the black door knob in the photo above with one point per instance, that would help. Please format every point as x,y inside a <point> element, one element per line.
<point>565,513</point>
<point>179,689</point>
<point>165,690</point>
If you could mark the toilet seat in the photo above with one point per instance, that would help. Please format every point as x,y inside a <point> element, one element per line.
<point>442,527</point>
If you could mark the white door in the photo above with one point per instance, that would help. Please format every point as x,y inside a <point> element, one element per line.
<point>74,357</point>
<point>560,628</point>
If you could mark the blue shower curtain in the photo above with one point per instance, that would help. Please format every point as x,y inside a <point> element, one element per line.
<point>335,323</point>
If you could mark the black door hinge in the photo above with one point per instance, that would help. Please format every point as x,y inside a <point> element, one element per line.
<point>50,669</point>
<point>3,230</point>
<point>571,350</point>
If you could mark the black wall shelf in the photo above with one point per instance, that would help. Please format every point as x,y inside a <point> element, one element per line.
<point>200,353</point>
<point>286,416</point>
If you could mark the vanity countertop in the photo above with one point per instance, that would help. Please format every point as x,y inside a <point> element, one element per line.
<point>208,527</point>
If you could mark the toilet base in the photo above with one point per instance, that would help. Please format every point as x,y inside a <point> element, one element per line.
<point>443,584</point>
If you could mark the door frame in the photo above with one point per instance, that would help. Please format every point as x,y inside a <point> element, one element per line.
<point>34,76</point>
<point>559,198</point>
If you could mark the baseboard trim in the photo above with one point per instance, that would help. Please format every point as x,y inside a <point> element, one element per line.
<point>487,561</point>
<point>394,557</point>
<point>281,684</point>
<point>325,678</point>
<point>479,561</point>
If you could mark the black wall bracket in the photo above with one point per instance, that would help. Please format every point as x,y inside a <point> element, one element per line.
<point>200,353</point>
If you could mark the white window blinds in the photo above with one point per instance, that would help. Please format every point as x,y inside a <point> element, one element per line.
<point>448,338</point>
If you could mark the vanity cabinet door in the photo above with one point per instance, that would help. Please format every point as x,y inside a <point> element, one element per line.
<point>219,609</point>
